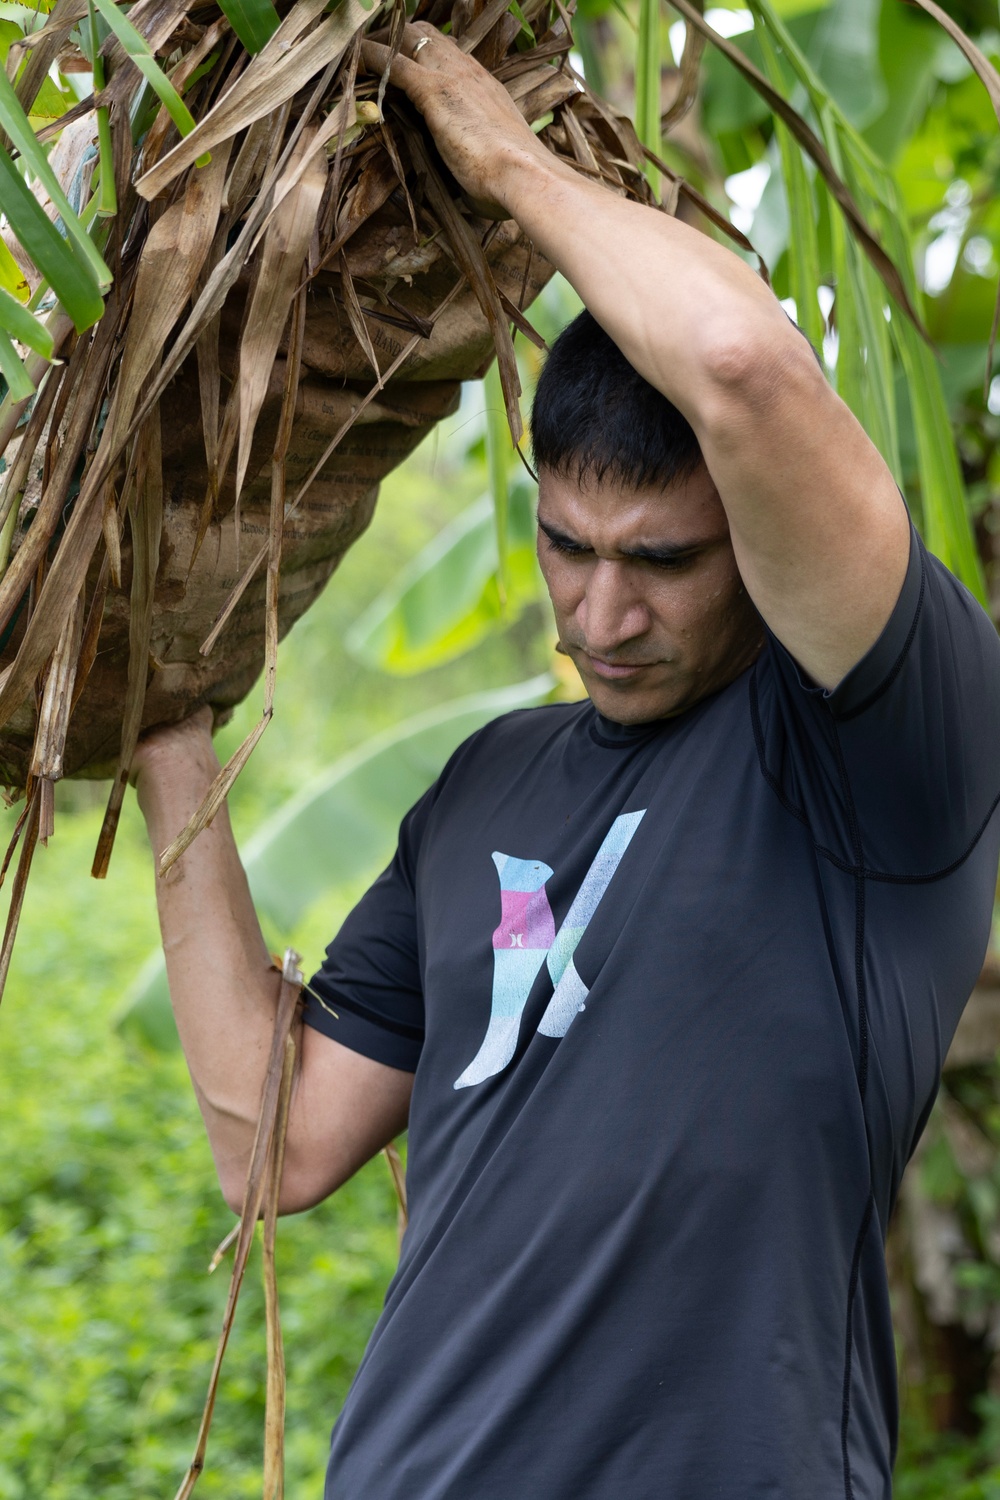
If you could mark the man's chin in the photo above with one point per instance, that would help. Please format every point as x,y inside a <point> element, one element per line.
<point>632,703</point>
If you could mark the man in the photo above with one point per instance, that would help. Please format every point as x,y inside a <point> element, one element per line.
<point>662,982</point>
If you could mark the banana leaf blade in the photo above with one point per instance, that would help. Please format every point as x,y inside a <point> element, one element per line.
<point>70,278</point>
<point>17,322</point>
<point>15,376</point>
<point>17,126</point>
<point>254,21</point>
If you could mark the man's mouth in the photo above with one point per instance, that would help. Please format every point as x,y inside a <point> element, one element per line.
<point>613,671</point>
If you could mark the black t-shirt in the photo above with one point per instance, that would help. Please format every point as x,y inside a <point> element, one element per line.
<point>677,999</point>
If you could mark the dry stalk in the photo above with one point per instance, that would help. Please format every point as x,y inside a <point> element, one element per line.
<point>270,1128</point>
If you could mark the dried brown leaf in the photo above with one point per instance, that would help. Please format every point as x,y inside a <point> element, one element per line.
<point>520,322</point>
<point>250,164</point>
<point>224,276</point>
<point>147,525</point>
<point>14,480</point>
<point>92,631</point>
<point>356,318</point>
<point>286,1017</point>
<point>472,261</point>
<point>680,187</point>
<point>548,96</point>
<point>395,1164</point>
<point>286,245</point>
<point>273,77</point>
<point>522,62</point>
<point>492,12</point>
<point>172,258</point>
<point>60,325</point>
<point>289,395</point>
<point>192,59</point>
<point>45,45</point>
<point>690,76</point>
<point>216,795</point>
<point>57,700</point>
<point>29,840</point>
<point>85,380</point>
<point>980,63</point>
<point>274,1410</point>
<point>576,137</point>
<point>338,122</point>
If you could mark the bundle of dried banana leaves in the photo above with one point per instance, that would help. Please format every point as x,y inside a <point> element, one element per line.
<point>298,290</point>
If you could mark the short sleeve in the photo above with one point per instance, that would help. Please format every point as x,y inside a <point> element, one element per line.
<point>367,994</point>
<point>897,769</point>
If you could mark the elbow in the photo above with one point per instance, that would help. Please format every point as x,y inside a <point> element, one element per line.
<point>295,1196</point>
<point>751,370</point>
<point>233,1191</point>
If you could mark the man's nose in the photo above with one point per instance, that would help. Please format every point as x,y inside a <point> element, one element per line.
<point>610,613</point>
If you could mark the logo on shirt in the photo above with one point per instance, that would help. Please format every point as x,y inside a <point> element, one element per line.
<point>526,938</point>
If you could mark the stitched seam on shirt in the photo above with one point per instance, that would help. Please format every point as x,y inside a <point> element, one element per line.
<point>768,775</point>
<point>362,1013</point>
<point>854,829</point>
<point>897,666</point>
<point>775,785</point>
<point>849,1345</point>
<point>888,877</point>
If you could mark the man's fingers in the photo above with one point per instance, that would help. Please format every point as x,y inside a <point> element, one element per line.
<point>376,59</point>
<point>422,37</point>
<point>419,42</point>
<point>470,115</point>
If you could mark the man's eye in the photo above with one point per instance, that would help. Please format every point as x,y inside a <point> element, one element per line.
<point>672,564</point>
<point>571,549</point>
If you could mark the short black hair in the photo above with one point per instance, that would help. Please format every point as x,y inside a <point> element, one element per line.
<point>595,417</point>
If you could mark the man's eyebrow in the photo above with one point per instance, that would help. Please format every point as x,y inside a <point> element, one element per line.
<point>555,535</point>
<point>665,552</point>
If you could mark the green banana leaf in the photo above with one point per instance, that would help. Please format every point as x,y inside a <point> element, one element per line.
<point>448,598</point>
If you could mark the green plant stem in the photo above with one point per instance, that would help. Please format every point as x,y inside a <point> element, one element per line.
<point>647,84</point>
<point>498,468</point>
<point>7,532</point>
<point>108,199</point>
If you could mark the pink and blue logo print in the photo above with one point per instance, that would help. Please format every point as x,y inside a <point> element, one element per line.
<point>526,938</point>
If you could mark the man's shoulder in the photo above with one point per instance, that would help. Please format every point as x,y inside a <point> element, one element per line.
<point>521,732</point>
<point>499,751</point>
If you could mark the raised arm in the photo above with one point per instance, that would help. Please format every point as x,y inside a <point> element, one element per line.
<point>818,527</point>
<point>345,1107</point>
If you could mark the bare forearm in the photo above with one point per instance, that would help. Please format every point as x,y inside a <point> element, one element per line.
<point>218,968</point>
<point>676,303</point>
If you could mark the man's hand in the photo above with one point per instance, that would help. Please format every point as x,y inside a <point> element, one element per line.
<point>477,127</point>
<point>166,745</point>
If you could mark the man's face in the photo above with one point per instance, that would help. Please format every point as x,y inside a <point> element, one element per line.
<point>647,597</point>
